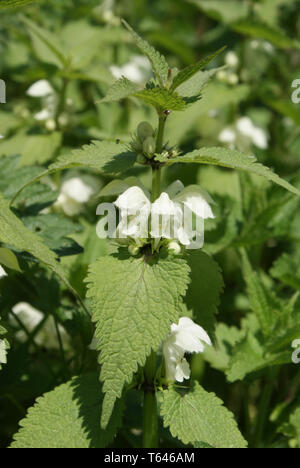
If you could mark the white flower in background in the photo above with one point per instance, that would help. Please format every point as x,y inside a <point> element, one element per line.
<point>74,192</point>
<point>2,272</point>
<point>186,337</point>
<point>42,89</point>
<point>1,136</point>
<point>257,135</point>
<point>231,59</point>
<point>31,318</point>
<point>227,136</point>
<point>138,70</point>
<point>173,214</point>
<point>262,45</point>
<point>244,127</point>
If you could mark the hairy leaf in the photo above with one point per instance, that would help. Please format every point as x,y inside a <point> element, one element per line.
<point>158,61</point>
<point>121,89</point>
<point>15,3</point>
<point>162,98</point>
<point>199,416</point>
<point>188,72</point>
<point>68,417</point>
<point>231,159</point>
<point>133,312</point>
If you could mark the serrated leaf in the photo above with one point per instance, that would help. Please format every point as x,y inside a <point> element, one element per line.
<point>219,354</point>
<point>14,233</point>
<point>158,62</point>
<point>188,72</point>
<point>68,417</point>
<point>264,303</point>
<point>200,416</point>
<point>287,269</point>
<point>203,295</point>
<point>121,89</point>
<point>102,156</point>
<point>231,159</point>
<point>162,98</point>
<point>133,312</point>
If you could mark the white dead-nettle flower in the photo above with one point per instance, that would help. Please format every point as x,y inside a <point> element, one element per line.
<point>2,272</point>
<point>31,318</point>
<point>74,192</point>
<point>173,215</point>
<point>1,136</point>
<point>227,136</point>
<point>186,337</point>
<point>42,89</point>
<point>262,45</point>
<point>231,59</point>
<point>138,70</point>
<point>257,135</point>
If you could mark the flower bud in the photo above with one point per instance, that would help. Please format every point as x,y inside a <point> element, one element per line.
<point>149,146</point>
<point>174,248</point>
<point>141,159</point>
<point>133,249</point>
<point>144,130</point>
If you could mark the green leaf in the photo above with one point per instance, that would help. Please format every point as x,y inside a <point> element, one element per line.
<point>219,354</point>
<point>287,269</point>
<point>14,233</point>
<point>8,258</point>
<point>188,72</point>
<point>266,32</point>
<point>200,416</point>
<point>264,302</point>
<point>249,356</point>
<point>34,149</point>
<point>68,417</point>
<point>158,62</point>
<point>47,45</point>
<point>228,11</point>
<point>15,3</point>
<point>121,89</point>
<point>133,312</point>
<point>102,156</point>
<point>162,98</point>
<point>231,159</point>
<point>203,295</point>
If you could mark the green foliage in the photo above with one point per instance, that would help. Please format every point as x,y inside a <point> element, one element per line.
<point>121,89</point>
<point>15,3</point>
<point>234,160</point>
<point>134,321</point>
<point>203,295</point>
<point>68,417</point>
<point>158,61</point>
<point>199,416</point>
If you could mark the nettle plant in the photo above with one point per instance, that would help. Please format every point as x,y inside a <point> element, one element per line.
<point>154,302</point>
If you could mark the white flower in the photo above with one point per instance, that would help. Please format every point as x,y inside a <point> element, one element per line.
<point>41,88</point>
<point>170,218</point>
<point>31,318</point>
<point>138,70</point>
<point>74,192</point>
<point>227,136</point>
<point>231,59</point>
<point>2,272</point>
<point>186,337</point>
<point>257,135</point>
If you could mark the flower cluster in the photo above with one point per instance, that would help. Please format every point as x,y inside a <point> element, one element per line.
<point>244,129</point>
<point>74,192</point>
<point>186,337</point>
<point>177,215</point>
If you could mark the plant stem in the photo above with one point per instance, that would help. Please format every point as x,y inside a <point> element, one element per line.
<point>263,410</point>
<point>150,421</point>
<point>160,133</point>
<point>62,101</point>
<point>156,176</point>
